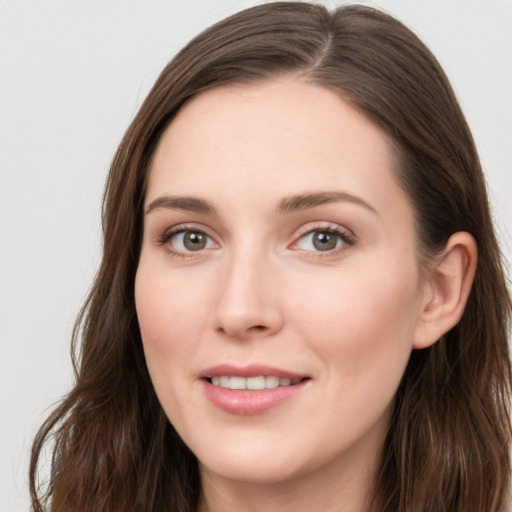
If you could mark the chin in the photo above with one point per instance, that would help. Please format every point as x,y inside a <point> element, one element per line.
<point>257,472</point>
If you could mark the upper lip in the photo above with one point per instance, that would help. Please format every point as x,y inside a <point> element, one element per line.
<point>252,370</point>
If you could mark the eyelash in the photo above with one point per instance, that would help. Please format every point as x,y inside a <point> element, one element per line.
<point>165,238</point>
<point>346,238</point>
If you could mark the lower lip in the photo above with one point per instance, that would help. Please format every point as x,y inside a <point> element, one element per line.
<point>246,402</point>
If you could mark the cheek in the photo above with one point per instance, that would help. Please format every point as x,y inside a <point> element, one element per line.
<point>362,323</point>
<point>170,316</point>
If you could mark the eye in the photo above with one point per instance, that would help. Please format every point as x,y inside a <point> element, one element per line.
<point>187,240</point>
<point>323,240</point>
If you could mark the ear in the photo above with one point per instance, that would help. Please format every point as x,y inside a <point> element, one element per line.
<point>446,290</point>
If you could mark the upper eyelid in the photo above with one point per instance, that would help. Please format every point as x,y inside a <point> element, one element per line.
<point>169,232</point>
<point>323,226</point>
<point>188,226</point>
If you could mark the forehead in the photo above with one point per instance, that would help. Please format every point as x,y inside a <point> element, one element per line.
<point>271,140</point>
<point>272,115</point>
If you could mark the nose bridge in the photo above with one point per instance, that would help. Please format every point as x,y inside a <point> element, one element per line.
<point>246,303</point>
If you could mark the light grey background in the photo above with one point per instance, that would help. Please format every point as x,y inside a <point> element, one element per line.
<point>72,75</point>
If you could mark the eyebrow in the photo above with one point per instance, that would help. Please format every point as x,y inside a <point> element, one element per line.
<point>310,200</point>
<point>286,205</point>
<point>191,204</point>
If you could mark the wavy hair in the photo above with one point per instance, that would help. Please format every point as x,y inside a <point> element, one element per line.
<point>448,443</point>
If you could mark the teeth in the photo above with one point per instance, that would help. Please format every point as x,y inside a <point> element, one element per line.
<point>252,383</point>
<point>237,383</point>
<point>271,382</point>
<point>255,383</point>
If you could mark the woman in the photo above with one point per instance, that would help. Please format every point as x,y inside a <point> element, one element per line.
<point>301,303</point>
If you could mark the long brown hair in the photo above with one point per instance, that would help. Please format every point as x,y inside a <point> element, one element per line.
<point>448,443</point>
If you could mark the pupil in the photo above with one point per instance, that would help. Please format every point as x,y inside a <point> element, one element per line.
<point>324,241</point>
<point>194,241</point>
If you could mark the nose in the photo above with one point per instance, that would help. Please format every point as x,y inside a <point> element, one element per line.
<point>248,302</point>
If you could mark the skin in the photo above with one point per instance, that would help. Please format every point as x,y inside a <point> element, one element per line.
<point>261,292</point>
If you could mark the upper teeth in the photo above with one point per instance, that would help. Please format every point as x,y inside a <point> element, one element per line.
<point>253,383</point>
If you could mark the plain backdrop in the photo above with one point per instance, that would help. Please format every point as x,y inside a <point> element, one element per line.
<point>72,75</point>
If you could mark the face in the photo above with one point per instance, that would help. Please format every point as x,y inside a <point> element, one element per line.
<point>278,288</point>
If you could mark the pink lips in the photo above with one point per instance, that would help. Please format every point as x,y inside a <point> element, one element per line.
<point>245,401</point>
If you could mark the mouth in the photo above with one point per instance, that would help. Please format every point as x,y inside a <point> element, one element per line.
<point>256,383</point>
<point>253,389</point>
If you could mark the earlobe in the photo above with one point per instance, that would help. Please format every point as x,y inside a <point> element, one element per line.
<point>447,290</point>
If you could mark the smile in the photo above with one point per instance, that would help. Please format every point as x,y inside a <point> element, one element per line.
<point>253,389</point>
<point>253,383</point>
